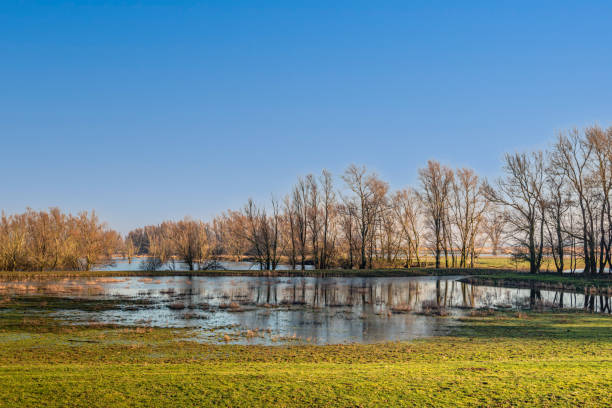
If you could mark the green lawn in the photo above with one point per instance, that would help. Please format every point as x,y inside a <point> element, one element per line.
<point>561,359</point>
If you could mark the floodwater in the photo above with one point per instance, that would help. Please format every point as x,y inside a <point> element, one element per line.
<point>273,310</point>
<point>136,264</point>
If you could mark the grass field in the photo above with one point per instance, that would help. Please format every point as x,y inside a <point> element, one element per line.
<point>557,359</point>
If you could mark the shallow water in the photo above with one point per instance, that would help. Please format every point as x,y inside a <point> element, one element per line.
<point>261,310</point>
<point>136,264</point>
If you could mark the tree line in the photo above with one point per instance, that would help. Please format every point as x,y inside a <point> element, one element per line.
<point>552,204</point>
<point>558,200</point>
<point>360,225</point>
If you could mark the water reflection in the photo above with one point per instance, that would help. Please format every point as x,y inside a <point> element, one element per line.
<point>266,310</point>
<point>136,264</point>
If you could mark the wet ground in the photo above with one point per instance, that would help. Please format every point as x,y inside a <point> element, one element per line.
<point>261,310</point>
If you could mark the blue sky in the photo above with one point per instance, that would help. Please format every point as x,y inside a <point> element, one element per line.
<point>153,110</point>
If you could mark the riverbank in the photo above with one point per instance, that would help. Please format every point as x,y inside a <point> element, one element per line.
<point>570,283</point>
<point>491,359</point>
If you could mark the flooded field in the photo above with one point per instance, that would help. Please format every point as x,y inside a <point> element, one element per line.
<point>260,310</point>
<point>140,263</point>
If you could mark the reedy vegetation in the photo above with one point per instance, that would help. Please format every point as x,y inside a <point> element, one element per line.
<point>51,240</point>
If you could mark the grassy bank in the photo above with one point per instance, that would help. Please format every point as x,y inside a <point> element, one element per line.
<point>600,283</point>
<point>490,360</point>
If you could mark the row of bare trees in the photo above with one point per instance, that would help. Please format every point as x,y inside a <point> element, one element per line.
<point>52,240</point>
<point>558,201</point>
<point>359,225</point>
<point>455,211</point>
<point>552,205</point>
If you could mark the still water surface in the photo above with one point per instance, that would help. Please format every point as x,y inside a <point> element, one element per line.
<point>137,264</point>
<point>272,310</point>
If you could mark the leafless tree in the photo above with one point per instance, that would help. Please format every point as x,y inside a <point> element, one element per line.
<point>468,206</point>
<point>601,142</point>
<point>313,221</point>
<point>188,241</point>
<point>520,190</point>
<point>366,202</point>
<point>408,212</point>
<point>347,223</point>
<point>557,206</point>
<point>329,207</point>
<point>572,155</point>
<point>300,215</point>
<point>263,233</point>
<point>436,181</point>
<point>291,230</point>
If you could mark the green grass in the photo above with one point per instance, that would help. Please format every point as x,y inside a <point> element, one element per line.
<point>560,359</point>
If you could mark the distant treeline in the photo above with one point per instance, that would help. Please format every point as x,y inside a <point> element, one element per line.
<point>551,204</point>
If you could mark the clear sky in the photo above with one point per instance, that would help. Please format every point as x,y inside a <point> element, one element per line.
<point>153,110</point>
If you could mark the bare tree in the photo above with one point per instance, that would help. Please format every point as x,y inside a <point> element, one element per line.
<point>233,241</point>
<point>366,203</point>
<point>188,241</point>
<point>520,190</point>
<point>390,235</point>
<point>436,181</point>
<point>408,211</point>
<point>468,207</point>
<point>313,221</point>
<point>557,204</point>
<point>291,230</point>
<point>329,213</point>
<point>572,155</point>
<point>300,214</point>
<point>158,248</point>
<point>601,142</point>
<point>263,233</point>
<point>347,224</point>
